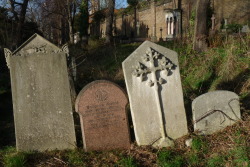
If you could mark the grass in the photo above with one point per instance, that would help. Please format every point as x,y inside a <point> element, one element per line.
<point>127,162</point>
<point>75,158</point>
<point>199,144</point>
<point>194,160</point>
<point>11,158</point>
<point>216,161</point>
<point>168,158</point>
<point>224,66</point>
<point>240,156</point>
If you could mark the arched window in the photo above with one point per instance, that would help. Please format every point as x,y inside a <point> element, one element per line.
<point>170,24</point>
<point>167,26</point>
<point>173,23</point>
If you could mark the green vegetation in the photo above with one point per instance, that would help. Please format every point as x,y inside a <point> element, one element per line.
<point>75,158</point>
<point>225,65</point>
<point>11,158</point>
<point>199,144</point>
<point>167,158</point>
<point>217,161</point>
<point>127,162</point>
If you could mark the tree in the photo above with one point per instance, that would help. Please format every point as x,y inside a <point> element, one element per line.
<point>5,27</point>
<point>71,6</point>
<point>84,21</point>
<point>200,33</point>
<point>58,17</point>
<point>109,21</point>
<point>19,10</point>
<point>134,3</point>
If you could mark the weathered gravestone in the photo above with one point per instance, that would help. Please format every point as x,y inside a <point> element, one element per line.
<point>41,96</point>
<point>245,29</point>
<point>101,105</point>
<point>214,111</point>
<point>155,93</point>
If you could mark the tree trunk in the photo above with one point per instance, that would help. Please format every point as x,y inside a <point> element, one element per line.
<point>200,33</point>
<point>84,24</point>
<point>153,13</point>
<point>71,14</point>
<point>135,19</point>
<point>109,21</point>
<point>20,19</point>
<point>71,33</point>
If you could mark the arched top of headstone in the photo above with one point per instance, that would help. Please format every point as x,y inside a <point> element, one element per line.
<point>210,95</point>
<point>103,84</point>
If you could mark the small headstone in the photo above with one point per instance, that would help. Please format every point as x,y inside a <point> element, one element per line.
<point>155,93</point>
<point>214,111</point>
<point>101,105</point>
<point>41,96</point>
<point>245,29</point>
<point>213,21</point>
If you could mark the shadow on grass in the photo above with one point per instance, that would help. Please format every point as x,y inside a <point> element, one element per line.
<point>191,94</point>
<point>239,86</point>
<point>236,84</point>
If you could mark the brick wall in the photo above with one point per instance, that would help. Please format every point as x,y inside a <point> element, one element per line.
<point>235,11</point>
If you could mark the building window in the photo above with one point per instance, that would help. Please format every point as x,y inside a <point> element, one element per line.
<point>173,23</point>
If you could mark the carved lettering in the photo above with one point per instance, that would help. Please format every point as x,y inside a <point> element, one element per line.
<point>102,115</point>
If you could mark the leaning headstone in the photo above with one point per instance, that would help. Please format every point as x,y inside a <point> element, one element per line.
<point>155,93</point>
<point>41,96</point>
<point>214,111</point>
<point>101,106</point>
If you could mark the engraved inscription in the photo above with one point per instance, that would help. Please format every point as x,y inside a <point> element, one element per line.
<point>103,115</point>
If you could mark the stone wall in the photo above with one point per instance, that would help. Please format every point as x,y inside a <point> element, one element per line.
<point>235,11</point>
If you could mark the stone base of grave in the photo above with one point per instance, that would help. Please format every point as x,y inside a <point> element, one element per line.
<point>163,142</point>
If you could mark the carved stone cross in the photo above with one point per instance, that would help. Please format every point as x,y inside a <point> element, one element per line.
<point>213,21</point>
<point>156,63</point>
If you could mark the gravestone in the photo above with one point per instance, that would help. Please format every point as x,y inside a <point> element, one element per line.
<point>245,29</point>
<point>155,93</point>
<point>101,105</point>
<point>41,96</point>
<point>214,111</point>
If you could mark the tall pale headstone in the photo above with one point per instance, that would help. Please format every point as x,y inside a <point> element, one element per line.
<point>101,105</point>
<point>41,96</point>
<point>155,93</point>
<point>214,111</point>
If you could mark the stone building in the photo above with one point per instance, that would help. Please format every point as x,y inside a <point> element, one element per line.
<point>168,19</point>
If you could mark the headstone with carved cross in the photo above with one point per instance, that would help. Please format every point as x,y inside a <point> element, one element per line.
<point>41,96</point>
<point>213,111</point>
<point>213,21</point>
<point>155,93</point>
